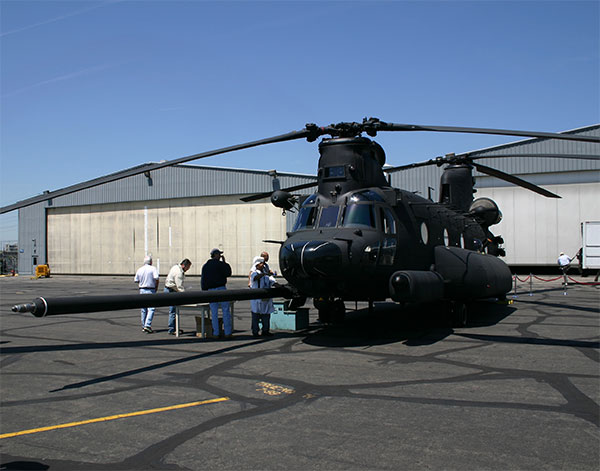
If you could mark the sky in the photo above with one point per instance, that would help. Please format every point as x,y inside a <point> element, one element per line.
<point>89,88</point>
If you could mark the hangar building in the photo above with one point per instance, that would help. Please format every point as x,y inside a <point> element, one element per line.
<point>185,210</point>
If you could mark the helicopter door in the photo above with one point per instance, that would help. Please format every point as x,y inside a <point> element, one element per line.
<point>387,223</point>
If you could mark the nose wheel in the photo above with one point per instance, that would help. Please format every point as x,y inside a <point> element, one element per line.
<point>331,311</point>
<point>457,313</point>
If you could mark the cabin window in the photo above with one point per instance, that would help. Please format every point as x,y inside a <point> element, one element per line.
<point>359,215</point>
<point>329,216</point>
<point>387,221</point>
<point>424,233</point>
<point>306,218</point>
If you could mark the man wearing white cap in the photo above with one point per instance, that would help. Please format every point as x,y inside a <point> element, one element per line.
<point>261,308</point>
<point>147,279</point>
<point>214,277</point>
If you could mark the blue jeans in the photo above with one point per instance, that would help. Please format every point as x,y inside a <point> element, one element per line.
<point>147,312</point>
<point>214,314</point>
<point>172,311</point>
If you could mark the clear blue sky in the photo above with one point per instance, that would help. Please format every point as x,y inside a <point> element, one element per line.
<point>92,87</point>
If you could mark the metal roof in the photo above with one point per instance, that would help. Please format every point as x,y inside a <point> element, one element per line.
<point>179,181</point>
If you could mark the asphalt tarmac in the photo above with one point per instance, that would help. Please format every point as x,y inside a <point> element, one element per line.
<point>517,389</point>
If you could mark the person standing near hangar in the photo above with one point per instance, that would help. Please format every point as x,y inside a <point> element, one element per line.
<point>147,279</point>
<point>261,308</point>
<point>174,284</point>
<point>214,277</point>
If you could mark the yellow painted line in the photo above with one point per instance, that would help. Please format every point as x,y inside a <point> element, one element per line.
<point>113,417</point>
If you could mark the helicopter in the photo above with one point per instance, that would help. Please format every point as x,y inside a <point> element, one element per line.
<point>358,238</point>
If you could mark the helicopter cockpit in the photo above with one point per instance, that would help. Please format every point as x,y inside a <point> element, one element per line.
<point>358,210</point>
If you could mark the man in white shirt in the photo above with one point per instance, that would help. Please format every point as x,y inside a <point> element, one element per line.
<point>174,284</point>
<point>564,263</point>
<point>261,309</point>
<point>147,279</point>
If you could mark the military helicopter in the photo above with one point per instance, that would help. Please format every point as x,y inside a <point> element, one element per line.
<point>358,238</point>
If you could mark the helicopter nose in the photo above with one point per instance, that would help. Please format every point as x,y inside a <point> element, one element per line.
<point>312,258</point>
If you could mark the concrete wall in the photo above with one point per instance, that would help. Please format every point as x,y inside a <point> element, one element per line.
<point>536,229</point>
<point>113,238</point>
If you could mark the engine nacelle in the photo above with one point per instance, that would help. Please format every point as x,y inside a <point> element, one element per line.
<point>471,275</point>
<point>416,286</point>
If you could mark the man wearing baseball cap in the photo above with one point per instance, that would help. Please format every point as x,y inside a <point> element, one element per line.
<point>214,277</point>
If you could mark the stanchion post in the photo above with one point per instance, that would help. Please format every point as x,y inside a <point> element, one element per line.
<point>530,284</point>
<point>515,286</point>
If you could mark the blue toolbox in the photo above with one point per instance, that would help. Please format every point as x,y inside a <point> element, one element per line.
<point>288,320</point>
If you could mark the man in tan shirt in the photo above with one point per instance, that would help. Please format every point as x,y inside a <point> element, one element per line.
<point>174,283</point>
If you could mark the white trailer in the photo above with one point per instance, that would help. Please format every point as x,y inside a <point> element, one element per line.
<point>590,232</point>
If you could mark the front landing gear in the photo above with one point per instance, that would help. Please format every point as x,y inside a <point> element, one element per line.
<point>458,313</point>
<point>331,311</point>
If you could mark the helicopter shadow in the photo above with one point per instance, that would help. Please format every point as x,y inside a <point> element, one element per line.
<point>411,325</point>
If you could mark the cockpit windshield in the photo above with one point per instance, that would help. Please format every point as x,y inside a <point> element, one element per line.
<point>329,216</point>
<point>359,215</point>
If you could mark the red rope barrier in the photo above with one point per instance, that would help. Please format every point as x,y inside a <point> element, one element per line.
<point>593,283</point>
<point>551,279</point>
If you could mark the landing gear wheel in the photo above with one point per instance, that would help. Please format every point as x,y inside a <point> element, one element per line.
<point>325,315</point>
<point>338,311</point>
<point>458,314</point>
<point>323,307</point>
<point>330,312</point>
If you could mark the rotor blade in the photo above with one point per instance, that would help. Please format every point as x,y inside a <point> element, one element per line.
<point>148,168</point>
<point>503,132</point>
<point>468,156</point>
<point>473,156</point>
<point>266,194</point>
<point>514,180</point>
<point>407,166</point>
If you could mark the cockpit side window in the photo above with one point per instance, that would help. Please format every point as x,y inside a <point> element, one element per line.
<point>359,215</point>
<point>306,218</point>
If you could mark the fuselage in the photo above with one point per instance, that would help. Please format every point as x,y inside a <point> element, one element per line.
<point>349,246</point>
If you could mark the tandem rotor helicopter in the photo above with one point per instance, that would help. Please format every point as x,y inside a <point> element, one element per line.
<point>358,238</point>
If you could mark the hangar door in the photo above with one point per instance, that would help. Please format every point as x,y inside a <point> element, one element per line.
<point>113,238</point>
